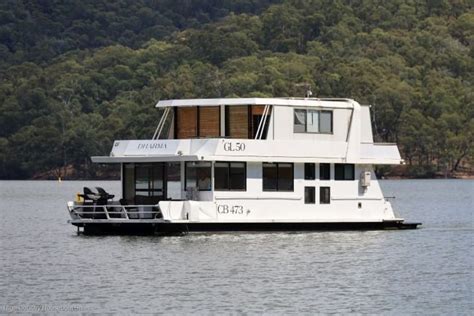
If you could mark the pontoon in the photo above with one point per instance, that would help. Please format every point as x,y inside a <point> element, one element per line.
<point>246,164</point>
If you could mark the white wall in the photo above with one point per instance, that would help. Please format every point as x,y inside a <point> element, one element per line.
<point>284,126</point>
<point>289,206</point>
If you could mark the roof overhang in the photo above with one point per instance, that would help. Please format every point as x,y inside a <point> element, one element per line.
<point>312,102</point>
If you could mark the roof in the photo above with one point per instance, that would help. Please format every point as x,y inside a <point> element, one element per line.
<point>332,103</point>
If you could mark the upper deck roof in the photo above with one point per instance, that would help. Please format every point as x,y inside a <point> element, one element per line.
<point>330,103</point>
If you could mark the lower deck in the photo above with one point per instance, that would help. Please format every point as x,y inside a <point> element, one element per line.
<point>238,196</point>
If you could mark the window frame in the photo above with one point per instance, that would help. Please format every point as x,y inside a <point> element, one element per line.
<point>313,199</point>
<point>229,174</point>
<point>321,173</point>
<point>308,175</point>
<point>306,110</point>
<point>196,184</point>
<point>278,177</point>
<point>344,174</point>
<point>321,201</point>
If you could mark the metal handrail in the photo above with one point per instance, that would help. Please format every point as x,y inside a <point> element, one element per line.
<point>99,209</point>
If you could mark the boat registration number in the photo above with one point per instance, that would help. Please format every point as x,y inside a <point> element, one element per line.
<point>230,209</point>
<point>234,146</point>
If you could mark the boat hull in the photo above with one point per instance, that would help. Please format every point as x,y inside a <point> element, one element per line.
<point>168,228</point>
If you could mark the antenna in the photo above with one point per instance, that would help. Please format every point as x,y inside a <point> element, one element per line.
<point>308,92</point>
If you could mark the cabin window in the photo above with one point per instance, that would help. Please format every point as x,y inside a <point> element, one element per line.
<point>209,121</point>
<point>324,171</point>
<point>309,195</point>
<point>300,121</point>
<point>277,176</point>
<point>344,172</point>
<point>309,171</point>
<point>257,117</point>
<point>197,121</point>
<point>186,122</point>
<point>129,183</point>
<point>198,175</point>
<point>230,176</point>
<point>324,195</point>
<point>312,121</point>
<point>325,122</point>
<point>173,180</point>
<point>237,121</point>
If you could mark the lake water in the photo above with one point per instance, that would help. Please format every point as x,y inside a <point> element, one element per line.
<point>45,266</point>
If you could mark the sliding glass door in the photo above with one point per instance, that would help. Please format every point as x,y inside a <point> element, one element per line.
<point>144,184</point>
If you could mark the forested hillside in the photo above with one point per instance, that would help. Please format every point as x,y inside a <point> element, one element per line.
<point>75,75</point>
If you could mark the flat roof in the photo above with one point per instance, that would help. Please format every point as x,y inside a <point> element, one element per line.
<point>333,103</point>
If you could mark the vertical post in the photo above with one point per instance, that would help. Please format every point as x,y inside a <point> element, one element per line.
<point>222,120</point>
<point>106,212</point>
<point>183,179</point>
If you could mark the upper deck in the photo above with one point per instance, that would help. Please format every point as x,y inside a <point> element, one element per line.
<point>260,129</point>
<point>258,118</point>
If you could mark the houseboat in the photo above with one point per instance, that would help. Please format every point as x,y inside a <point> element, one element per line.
<point>246,164</point>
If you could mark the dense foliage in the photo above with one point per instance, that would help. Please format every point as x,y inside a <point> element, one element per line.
<point>74,76</point>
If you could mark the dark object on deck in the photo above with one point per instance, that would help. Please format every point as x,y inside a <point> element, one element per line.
<point>92,198</point>
<point>89,195</point>
<point>104,195</point>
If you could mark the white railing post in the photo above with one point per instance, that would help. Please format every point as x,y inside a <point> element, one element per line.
<point>106,212</point>
<point>124,210</point>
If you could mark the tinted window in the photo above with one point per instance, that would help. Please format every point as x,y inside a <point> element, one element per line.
<point>230,176</point>
<point>238,176</point>
<point>221,176</point>
<point>285,177</point>
<point>324,195</point>
<point>344,172</point>
<point>270,176</point>
<point>278,176</point>
<point>309,171</point>
<point>198,174</point>
<point>324,171</point>
<point>309,195</point>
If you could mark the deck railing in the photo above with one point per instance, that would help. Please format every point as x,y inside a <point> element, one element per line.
<point>116,212</point>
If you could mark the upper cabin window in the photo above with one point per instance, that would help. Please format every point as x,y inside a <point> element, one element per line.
<point>309,171</point>
<point>237,121</point>
<point>230,176</point>
<point>312,121</point>
<point>344,171</point>
<point>277,176</point>
<point>243,121</point>
<point>198,175</point>
<point>197,121</point>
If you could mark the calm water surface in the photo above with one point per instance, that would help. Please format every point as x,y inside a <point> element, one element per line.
<point>45,265</point>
